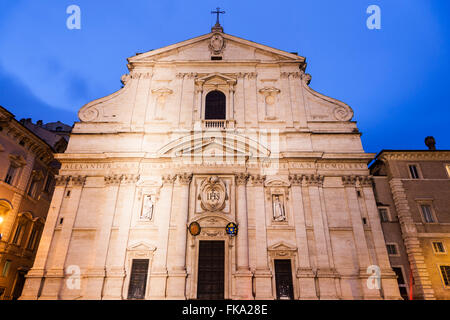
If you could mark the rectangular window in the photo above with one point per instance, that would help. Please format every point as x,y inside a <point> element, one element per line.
<point>392,249</point>
<point>447,166</point>
<point>31,242</point>
<point>9,179</point>
<point>438,247</point>
<point>48,183</point>
<point>413,171</point>
<point>401,282</point>
<point>445,272</point>
<point>427,213</point>
<point>383,214</point>
<point>32,188</point>
<point>138,279</point>
<point>6,268</point>
<point>17,234</point>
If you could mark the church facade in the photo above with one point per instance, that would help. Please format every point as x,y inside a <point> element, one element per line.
<point>216,172</point>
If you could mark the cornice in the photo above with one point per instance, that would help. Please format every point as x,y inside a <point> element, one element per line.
<point>415,155</point>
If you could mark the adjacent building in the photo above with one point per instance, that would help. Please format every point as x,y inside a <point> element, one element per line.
<point>27,179</point>
<point>412,191</point>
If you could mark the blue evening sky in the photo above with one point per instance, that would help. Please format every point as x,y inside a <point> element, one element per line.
<point>395,79</point>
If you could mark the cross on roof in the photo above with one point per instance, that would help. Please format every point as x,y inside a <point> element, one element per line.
<point>217,12</point>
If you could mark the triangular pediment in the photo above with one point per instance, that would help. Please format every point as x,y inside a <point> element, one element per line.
<point>282,246</point>
<point>141,246</point>
<point>198,48</point>
<point>211,145</point>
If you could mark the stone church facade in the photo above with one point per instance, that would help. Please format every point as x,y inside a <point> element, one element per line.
<point>216,172</point>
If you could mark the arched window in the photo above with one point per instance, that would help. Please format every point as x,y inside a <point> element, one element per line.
<point>215,106</point>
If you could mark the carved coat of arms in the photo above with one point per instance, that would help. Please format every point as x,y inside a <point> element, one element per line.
<point>213,194</point>
<point>216,44</point>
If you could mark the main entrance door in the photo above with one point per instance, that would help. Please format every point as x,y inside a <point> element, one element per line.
<point>283,279</point>
<point>211,274</point>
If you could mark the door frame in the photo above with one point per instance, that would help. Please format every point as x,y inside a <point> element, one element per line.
<point>212,229</point>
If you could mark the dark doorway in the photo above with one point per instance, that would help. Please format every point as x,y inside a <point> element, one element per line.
<point>283,279</point>
<point>138,279</point>
<point>211,274</point>
<point>215,106</point>
<point>20,282</point>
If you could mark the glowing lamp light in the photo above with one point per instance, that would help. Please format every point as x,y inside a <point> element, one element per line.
<point>1,220</point>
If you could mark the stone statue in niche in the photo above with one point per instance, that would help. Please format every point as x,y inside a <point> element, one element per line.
<point>279,214</point>
<point>147,208</point>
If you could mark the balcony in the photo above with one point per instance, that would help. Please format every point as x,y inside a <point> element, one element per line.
<point>217,124</point>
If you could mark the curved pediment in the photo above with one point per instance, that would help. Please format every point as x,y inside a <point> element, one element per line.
<point>210,144</point>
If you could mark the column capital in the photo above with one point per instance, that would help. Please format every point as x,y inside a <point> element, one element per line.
<point>184,178</point>
<point>77,180</point>
<point>241,178</point>
<point>365,181</point>
<point>129,178</point>
<point>257,180</point>
<point>113,179</point>
<point>61,180</point>
<point>296,180</point>
<point>315,180</point>
<point>349,181</point>
<point>168,179</point>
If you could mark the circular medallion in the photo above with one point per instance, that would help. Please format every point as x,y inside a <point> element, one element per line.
<point>213,194</point>
<point>270,100</point>
<point>194,228</point>
<point>231,229</point>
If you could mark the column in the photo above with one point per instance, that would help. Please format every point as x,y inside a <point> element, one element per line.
<point>243,274</point>
<point>96,273</point>
<point>389,285</point>
<point>158,276</point>
<point>240,106</point>
<point>305,275</point>
<point>286,104</point>
<point>422,282</point>
<point>54,276</point>
<point>116,257</point>
<point>362,250</point>
<point>263,275</point>
<point>140,90</point>
<point>176,283</point>
<point>325,273</point>
<point>35,275</point>
<point>251,102</point>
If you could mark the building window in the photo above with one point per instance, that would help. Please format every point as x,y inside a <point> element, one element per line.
<point>18,233</point>
<point>138,279</point>
<point>445,273</point>
<point>9,179</point>
<point>427,214</point>
<point>392,249</point>
<point>48,183</point>
<point>384,215</point>
<point>413,171</point>
<point>447,166</point>
<point>215,106</point>
<point>438,247</point>
<point>401,282</point>
<point>32,241</point>
<point>32,188</point>
<point>6,268</point>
